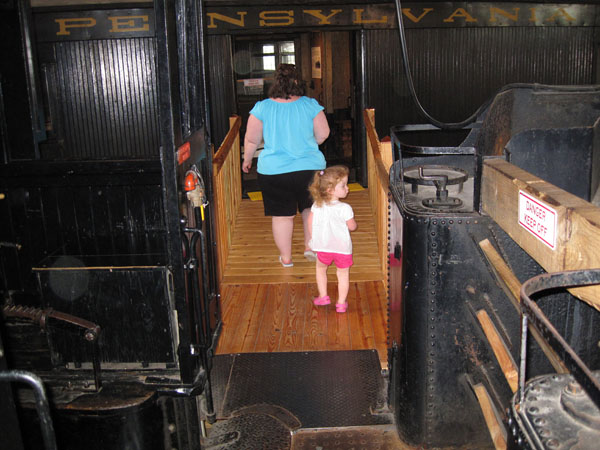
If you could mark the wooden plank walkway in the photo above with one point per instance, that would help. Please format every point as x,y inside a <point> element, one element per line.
<point>253,257</point>
<point>282,318</point>
<point>268,308</point>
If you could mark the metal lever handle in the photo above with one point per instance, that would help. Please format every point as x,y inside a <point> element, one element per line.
<point>41,316</point>
<point>440,182</point>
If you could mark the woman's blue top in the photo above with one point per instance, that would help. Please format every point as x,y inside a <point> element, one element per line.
<point>290,144</point>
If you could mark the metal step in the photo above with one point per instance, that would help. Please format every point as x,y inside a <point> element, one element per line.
<point>297,400</point>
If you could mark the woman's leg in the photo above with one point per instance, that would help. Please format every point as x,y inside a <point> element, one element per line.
<point>343,277</point>
<point>283,229</point>
<point>321,279</point>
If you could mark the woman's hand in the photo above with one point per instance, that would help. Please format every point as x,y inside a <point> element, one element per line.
<point>246,166</point>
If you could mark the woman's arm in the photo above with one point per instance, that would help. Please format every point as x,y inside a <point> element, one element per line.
<point>252,139</point>
<point>321,127</point>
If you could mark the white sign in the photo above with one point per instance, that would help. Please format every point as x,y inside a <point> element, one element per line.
<point>538,218</point>
<point>249,82</point>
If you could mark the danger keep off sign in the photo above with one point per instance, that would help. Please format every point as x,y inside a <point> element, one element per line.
<point>538,218</point>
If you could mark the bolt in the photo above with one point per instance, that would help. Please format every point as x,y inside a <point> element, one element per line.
<point>573,388</point>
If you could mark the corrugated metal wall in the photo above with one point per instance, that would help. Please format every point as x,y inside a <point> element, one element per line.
<point>455,70</point>
<point>104,99</point>
<point>220,85</point>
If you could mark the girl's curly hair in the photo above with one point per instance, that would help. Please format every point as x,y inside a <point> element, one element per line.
<point>324,180</point>
<point>287,82</point>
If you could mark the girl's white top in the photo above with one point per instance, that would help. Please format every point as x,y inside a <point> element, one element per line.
<point>329,230</point>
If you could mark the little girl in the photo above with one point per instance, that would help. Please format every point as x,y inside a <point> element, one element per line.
<point>330,222</point>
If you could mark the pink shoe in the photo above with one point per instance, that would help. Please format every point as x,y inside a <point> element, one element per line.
<point>322,301</point>
<point>341,307</point>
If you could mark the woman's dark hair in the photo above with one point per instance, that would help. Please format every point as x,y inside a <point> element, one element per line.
<point>287,82</point>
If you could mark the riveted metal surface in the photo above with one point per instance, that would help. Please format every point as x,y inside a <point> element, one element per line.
<point>321,389</point>
<point>378,437</point>
<point>555,414</point>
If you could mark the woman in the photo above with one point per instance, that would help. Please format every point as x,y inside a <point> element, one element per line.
<point>292,127</point>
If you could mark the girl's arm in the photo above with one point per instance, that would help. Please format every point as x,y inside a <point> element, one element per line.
<point>309,222</point>
<point>352,225</point>
<point>252,138</point>
<point>321,127</point>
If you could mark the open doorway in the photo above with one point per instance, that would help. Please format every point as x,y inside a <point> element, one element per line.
<point>325,60</point>
<point>333,86</point>
<point>254,62</point>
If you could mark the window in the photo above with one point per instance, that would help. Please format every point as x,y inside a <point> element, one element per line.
<point>256,61</point>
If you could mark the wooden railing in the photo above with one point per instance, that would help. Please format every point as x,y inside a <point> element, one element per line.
<point>379,161</point>
<point>227,188</point>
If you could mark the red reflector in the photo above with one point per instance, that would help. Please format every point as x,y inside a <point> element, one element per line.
<point>190,181</point>
<point>183,153</point>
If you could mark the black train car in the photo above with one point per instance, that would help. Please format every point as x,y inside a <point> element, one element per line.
<point>104,115</point>
<point>108,293</point>
<point>452,317</point>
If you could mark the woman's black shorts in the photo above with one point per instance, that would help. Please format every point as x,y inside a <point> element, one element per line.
<point>286,193</point>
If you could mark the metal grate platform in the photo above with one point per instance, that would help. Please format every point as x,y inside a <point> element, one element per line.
<point>291,391</point>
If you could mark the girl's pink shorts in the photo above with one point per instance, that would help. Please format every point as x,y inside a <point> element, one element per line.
<point>341,261</point>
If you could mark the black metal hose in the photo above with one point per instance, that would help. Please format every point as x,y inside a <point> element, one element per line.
<point>473,117</point>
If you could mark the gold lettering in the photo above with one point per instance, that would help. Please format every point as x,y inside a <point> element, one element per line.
<point>409,14</point>
<point>493,11</point>
<point>532,17</point>
<point>281,18</point>
<point>460,12</point>
<point>121,24</point>
<point>560,12</point>
<point>324,20</point>
<point>81,22</point>
<point>359,18</point>
<point>239,22</point>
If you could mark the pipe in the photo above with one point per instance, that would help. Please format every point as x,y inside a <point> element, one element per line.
<point>41,403</point>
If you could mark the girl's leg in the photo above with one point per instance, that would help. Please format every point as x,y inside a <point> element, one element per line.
<point>283,229</point>
<point>322,279</point>
<point>307,236</point>
<point>343,277</point>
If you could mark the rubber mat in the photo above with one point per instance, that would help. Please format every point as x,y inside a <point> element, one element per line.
<point>320,389</point>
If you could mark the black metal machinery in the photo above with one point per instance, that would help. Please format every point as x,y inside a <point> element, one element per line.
<point>554,410</point>
<point>442,286</point>
<point>107,277</point>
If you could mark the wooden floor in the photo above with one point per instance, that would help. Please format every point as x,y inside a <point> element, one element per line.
<point>254,257</point>
<point>268,308</point>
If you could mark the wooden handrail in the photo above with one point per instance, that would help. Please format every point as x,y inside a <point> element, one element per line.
<point>375,145</point>
<point>379,160</point>
<point>235,123</point>
<point>227,187</point>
